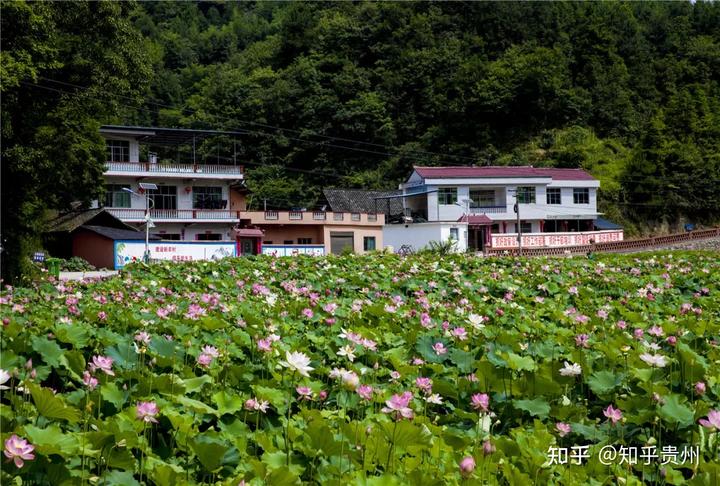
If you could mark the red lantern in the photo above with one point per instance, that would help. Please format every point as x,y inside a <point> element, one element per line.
<point>188,189</point>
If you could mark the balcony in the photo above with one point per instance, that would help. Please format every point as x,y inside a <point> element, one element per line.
<point>276,217</point>
<point>176,215</point>
<point>185,171</point>
<point>488,210</point>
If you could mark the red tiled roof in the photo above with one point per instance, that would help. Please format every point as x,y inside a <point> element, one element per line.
<point>480,219</point>
<point>497,171</point>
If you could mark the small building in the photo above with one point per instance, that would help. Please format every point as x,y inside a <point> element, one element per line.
<point>476,207</point>
<point>89,234</point>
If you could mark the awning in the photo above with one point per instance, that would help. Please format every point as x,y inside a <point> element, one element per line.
<point>476,219</point>
<point>604,224</point>
<point>248,233</point>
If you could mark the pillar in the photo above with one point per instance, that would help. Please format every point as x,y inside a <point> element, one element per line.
<point>542,225</point>
<point>504,226</point>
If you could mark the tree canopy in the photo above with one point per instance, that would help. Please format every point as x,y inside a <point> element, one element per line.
<point>354,94</point>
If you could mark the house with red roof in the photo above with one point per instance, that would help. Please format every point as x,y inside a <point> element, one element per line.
<point>478,208</point>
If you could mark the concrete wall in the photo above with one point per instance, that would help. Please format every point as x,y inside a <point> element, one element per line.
<point>419,235</point>
<point>359,233</point>
<point>189,231</point>
<point>278,234</point>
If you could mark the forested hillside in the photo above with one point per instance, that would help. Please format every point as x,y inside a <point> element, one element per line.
<point>353,94</point>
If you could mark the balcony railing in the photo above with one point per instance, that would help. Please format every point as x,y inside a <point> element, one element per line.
<point>183,214</point>
<point>295,215</point>
<point>270,215</point>
<point>173,168</point>
<point>488,209</point>
<point>319,215</point>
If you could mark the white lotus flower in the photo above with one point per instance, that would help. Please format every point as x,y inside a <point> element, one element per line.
<point>476,321</point>
<point>4,377</point>
<point>657,360</point>
<point>297,361</point>
<point>434,398</point>
<point>347,351</point>
<point>571,369</point>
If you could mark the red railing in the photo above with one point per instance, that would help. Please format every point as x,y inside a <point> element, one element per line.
<point>184,214</point>
<point>615,246</point>
<point>174,168</point>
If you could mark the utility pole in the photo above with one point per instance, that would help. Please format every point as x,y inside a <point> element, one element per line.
<point>265,204</point>
<point>519,229</point>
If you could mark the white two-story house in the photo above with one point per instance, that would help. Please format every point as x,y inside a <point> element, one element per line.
<point>476,207</point>
<point>198,197</point>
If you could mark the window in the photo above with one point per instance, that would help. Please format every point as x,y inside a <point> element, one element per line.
<point>553,195</point>
<point>338,216</point>
<point>208,198</point>
<point>208,237</point>
<point>454,234</point>
<point>164,197</point>
<point>118,150</point>
<point>369,243</point>
<point>355,216</point>
<point>304,241</point>
<point>581,195</point>
<point>482,198</point>
<point>372,217</point>
<point>116,197</point>
<point>447,195</point>
<point>526,195</point>
<point>267,242</point>
<point>168,236</point>
<point>495,228</point>
<point>525,227</point>
<point>288,242</point>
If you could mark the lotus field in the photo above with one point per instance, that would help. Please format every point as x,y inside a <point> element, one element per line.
<point>367,370</point>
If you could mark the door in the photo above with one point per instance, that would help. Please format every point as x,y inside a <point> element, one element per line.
<point>340,241</point>
<point>247,246</point>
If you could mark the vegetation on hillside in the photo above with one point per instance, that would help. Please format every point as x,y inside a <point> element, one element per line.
<point>354,94</point>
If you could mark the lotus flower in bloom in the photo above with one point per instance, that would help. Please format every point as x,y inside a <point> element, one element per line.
<point>347,351</point>
<point>304,392</point>
<point>434,398</point>
<point>657,360</point>
<point>204,360</point>
<point>562,428</point>
<point>19,450</point>
<point>398,406</point>
<point>614,414</point>
<point>571,369</point>
<point>297,361</point>
<point>480,401</point>
<point>700,388</point>
<point>90,381</point>
<point>425,384</point>
<point>142,337</point>
<point>211,350</point>
<point>467,466</point>
<point>712,421</point>
<point>102,363</point>
<point>4,377</point>
<point>439,348</point>
<point>146,411</point>
<point>254,404</point>
<point>365,392</point>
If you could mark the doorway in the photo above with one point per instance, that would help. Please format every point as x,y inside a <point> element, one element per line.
<point>477,237</point>
<point>248,246</point>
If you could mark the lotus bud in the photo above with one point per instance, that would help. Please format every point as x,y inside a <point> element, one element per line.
<point>488,447</point>
<point>700,388</point>
<point>467,466</point>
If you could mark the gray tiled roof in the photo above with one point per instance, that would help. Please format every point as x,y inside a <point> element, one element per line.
<point>70,221</point>
<point>362,201</point>
<point>117,234</point>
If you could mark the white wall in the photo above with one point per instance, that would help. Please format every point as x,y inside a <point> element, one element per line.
<point>419,235</point>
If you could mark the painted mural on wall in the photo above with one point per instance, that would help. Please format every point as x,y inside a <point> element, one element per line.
<point>293,250</point>
<point>133,251</point>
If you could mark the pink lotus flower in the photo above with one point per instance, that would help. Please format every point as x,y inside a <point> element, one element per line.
<point>425,384</point>
<point>621,324</point>
<point>467,466</point>
<point>480,402</point>
<point>102,363</point>
<point>307,312</point>
<point>142,337</point>
<point>656,331</point>
<point>425,320</point>
<point>563,428</point>
<point>439,348</point>
<point>264,345</point>
<point>211,350</point>
<point>304,392</point>
<point>254,404</point>
<point>460,333</point>
<point>700,388</point>
<point>638,333</point>
<point>146,411</point>
<point>581,340</point>
<point>672,340</point>
<point>614,414</point>
<point>90,381</point>
<point>19,450</point>
<point>394,375</point>
<point>488,447</point>
<point>398,406</point>
<point>712,421</point>
<point>365,392</point>
<point>204,360</point>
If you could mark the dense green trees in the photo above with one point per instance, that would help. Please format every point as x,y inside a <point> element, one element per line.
<point>627,90</point>
<point>52,152</point>
<point>354,94</point>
